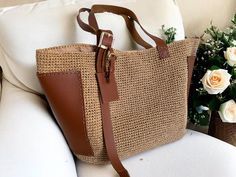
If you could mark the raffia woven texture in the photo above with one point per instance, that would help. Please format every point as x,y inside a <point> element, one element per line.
<point>152,109</point>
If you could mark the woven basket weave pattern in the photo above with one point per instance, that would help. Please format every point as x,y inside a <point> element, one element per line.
<point>152,109</point>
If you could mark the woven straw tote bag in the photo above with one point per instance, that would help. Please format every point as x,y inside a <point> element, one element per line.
<point>113,104</point>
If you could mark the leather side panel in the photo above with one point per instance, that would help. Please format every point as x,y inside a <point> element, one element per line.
<point>64,92</point>
<point>191,61</point>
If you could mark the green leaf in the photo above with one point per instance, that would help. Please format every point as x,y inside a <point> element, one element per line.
<point>204,119</point>
<point>196,118</point>
<point>214,67</point>
<point>225,40</point>
<point>196,102</point>
<point>217,61</point>
<point>214,104</point>
<point>234,19</point>
<point>233,72</point>
<point>169,34</point>
<point>232,91</point>
<point>214,32</point>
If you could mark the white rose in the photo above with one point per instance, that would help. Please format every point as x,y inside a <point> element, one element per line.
<point>227,111</point>
<point>216,81</point>
<point>230,55</point>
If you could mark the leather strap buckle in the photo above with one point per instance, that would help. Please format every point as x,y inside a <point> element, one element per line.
<point>106,40</point>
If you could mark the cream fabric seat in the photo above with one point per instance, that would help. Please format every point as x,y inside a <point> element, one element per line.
<point>32,145</point>
<point>195,155</point>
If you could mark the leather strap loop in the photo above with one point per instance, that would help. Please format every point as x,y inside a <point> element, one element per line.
<point>83,25</point>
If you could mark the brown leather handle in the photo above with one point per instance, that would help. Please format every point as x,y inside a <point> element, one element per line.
<point>93,28</point>
<point>123,12</point>
<point>130,25</point>
<point>83,25</point>
<point>129,18</point>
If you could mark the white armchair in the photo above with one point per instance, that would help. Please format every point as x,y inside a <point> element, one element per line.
<point>32,145</point>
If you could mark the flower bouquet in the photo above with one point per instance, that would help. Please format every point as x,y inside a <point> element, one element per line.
<point>213,85</point>
<point>213,89</point>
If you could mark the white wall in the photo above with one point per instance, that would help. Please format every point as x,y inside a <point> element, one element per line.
<point>4,3</point>
<point>197,14</point>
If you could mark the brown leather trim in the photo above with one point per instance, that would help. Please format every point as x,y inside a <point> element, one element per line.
<point>83,25</point>
<point>110,142</point>
<point>64,92</point>
<point>108,90</point>
<point>106,79</point>
<point>191,61</point>
<point>107,93</point>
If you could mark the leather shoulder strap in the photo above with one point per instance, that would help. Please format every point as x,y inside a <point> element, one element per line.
<point>130,17</point>
<point>130,25</point>
<point>110,143</point>
<point>108,92</point>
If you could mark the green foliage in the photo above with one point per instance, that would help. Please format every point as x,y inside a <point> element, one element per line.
<point>210,56</point>
<point>214,67</point>
<point>234,20</point>
<point>199,118</point>
<point>169,34</point>
<point>232,91</point>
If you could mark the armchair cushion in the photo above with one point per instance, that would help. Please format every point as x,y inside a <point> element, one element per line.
<point>195,155</point>
<point>26,28</point>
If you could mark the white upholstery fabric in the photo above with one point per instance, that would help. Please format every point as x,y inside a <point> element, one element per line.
<point>31,144</point>
<point>29,27</point>
<point>195,155</point>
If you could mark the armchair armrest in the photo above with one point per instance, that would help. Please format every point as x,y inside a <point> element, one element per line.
<point>31,142</point>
